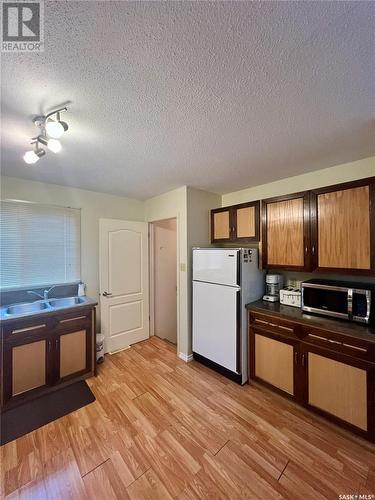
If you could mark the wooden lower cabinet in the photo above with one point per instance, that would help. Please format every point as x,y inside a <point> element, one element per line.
<point>29,363</point>
<point>337,388</point>
<point>274,363</point>
<point>73,353</point>
<point>38,356</point>
<point>327,380</point>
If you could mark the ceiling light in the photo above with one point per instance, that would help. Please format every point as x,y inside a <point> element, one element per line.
<point>33,155</point>
<point>51,130</point>
<point>54,145</point>
<point>55,128</point>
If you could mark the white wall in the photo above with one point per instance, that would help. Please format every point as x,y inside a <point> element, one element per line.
<point>93,206</point>
<point>165,279</point>
<point>167,206</point>
<point>320,178</point>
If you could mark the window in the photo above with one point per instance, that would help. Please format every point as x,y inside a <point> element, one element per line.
<point>39,244</point>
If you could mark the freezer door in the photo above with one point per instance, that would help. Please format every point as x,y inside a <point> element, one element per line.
<point>216,323</point>
<point>218,265</point>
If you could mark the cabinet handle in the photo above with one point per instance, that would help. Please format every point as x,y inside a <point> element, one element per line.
<point>296,358</point>
<point>49,345</point>
<point>29,328</point>
<point>313,249</point>
<point>303,360</point>
<point>355,347</point>
<point>56,343</point>
<point>72,319</point>
<point>306,250</point>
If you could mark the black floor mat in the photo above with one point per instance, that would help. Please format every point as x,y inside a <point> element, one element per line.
<point>29,416</point>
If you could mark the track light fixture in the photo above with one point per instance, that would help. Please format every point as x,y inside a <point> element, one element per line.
<point>51,129</point>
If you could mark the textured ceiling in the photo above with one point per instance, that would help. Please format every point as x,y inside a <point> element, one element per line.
<point>219,96</point>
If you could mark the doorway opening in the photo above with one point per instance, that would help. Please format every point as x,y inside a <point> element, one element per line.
<point>163,282</point>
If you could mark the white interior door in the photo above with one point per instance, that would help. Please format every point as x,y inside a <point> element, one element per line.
<point>215,323</point>
<point>124,297</point>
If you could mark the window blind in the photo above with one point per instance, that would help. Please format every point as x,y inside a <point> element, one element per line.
<point>39,244</point>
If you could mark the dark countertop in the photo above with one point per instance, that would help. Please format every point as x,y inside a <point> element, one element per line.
<point>5,319</point>
<point>297,315</point>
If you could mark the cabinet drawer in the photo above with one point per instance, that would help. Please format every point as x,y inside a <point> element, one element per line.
<point>273,324</point>
<point>352,346</point>
<point>78,320</point>
<point>25,328</point>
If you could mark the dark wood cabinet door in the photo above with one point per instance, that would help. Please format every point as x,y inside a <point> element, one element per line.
<point>286,232</point>
<point>340,387</point>
<point>246,222</point>
<point>74,353</point>
<point>274,361</point>
<point>27,367</point>
<point>343,227</point>
<point>221,225</point>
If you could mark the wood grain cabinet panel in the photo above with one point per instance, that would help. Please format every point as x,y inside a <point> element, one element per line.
<point>221,225</point>
<point>29,367</point>
<point>72,353</point>
<point>274,363</point>
<point>286,232</point>
<point>339,389</point>
<point>343,229</point>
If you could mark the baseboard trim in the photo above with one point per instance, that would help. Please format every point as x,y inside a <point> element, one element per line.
<point>236,377</point>
<point>184,357</point>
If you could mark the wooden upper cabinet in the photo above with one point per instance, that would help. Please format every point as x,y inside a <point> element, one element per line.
<point>221,224</point>
<point>286,237</point>
<point>238,223</point>
<point>343,227</point>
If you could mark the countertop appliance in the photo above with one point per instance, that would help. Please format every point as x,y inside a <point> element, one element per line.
<point>224,281</point>
<point>340,299</point>
<point>290,296</point>
<point>274,283</point>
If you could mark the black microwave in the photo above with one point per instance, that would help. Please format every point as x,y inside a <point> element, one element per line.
<point>339,299</point>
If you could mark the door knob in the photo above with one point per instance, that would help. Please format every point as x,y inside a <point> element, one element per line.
<point>106,294</point>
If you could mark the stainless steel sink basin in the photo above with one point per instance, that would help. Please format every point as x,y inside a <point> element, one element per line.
<point>66,302</point>
<point>27,308</point>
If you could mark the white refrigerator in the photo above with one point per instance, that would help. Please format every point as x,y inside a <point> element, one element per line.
<point>224,281</point>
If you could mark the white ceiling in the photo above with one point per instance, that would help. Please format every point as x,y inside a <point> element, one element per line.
<point>216,95</point>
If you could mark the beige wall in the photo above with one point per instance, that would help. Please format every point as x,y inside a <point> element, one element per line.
<point>93,206</point>
<point>320,178</point>
<point>166,206</point>
<point>164,236</point>
<point>199,204</point>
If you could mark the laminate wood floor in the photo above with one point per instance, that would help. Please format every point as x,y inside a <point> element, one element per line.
<point>161,429</point>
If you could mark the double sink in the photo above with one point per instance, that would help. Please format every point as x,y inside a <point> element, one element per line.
<point>41,306</point>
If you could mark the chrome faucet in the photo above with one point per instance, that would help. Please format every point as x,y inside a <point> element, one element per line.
<point>45,293</point>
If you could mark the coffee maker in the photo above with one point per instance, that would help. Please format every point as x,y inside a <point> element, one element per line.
<point>274,283</point>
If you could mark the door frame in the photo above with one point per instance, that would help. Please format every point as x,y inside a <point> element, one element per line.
<point>151,249</point>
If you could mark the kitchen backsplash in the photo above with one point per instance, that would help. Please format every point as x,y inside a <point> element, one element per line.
<point>17,296</point>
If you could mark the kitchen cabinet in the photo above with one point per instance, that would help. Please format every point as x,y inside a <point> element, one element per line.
<point>330,229</point>
<point>221,225</point>
<point>238,223</point>
<point>329,371</point>
<point>336,385</point>
<point>41,353</point>
<point>342,225</point>
<point>286,232</point>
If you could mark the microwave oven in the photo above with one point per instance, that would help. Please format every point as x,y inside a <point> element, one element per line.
<point>339,299</point>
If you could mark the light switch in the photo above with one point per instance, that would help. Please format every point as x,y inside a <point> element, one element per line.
<point>183,267</point>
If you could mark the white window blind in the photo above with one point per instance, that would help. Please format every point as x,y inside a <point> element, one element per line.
<point>39,244</point>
